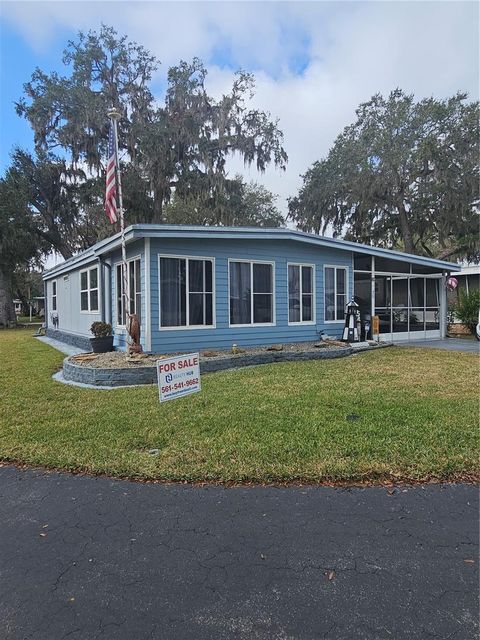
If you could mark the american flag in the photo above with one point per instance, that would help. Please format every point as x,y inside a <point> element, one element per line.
<point>111,181</point>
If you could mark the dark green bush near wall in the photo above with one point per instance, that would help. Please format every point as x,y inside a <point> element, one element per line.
<point>466,308</point>
<point>101,329</point>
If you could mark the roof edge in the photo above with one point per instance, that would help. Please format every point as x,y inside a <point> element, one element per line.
<point>137,231</point>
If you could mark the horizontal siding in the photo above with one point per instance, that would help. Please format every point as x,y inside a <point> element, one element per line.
<point>223,336</point>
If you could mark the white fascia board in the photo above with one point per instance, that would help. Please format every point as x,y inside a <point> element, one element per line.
<point>139,231</point>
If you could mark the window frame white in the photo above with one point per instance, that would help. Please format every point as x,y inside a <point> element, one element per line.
<point>117,264</point>
<point>187,326</point>
<point>54,295</point>
<point>334,267</point>
<point>273,294</point>
<point>313,294</point>
<point>89,289</point>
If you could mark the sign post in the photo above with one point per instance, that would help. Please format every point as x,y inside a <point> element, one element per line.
<point>178,376</point>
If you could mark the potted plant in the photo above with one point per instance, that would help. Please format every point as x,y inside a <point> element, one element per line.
<point>103,338</point>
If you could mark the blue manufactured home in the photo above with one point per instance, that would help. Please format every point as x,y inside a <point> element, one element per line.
<point>210,287</point>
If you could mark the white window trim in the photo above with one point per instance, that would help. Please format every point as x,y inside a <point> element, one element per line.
<point>334,266</point>
<point>54,296</point>
<point>89,289</point>
<point>253,324</point>
<point>314,295</point>
<point>115,265</point>
<point>147,289</point>
<point>188,327</point>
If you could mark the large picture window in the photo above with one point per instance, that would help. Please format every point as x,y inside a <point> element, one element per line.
<point>251,292</point>
<point>186,292</point>
<point>89,290</point>
<point>335,293</point>
<point>301,304</point>
<point>135,291</point>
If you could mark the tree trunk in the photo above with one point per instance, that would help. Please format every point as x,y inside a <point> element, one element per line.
<point>157,208</point>
<point>61,246</point>
<point>65,251</point>
<point>405,229</point>
<point>448,253</point>
<point>7,310</point>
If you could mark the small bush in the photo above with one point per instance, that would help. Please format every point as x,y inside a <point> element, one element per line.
<point>101,329</point>
<point>466,308</point>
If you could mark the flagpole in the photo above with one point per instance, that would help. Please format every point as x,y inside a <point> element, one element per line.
<point>114,116</point>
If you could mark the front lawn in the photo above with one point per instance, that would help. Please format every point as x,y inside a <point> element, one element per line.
<point>391,414</point>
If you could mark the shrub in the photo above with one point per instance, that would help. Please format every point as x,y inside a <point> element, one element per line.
<point>101,329</point>
<point>466,308</point>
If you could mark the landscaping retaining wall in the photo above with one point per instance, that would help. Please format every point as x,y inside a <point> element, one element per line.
<point>82,342</point>
<point>108,377</point>
<point>148,375</point>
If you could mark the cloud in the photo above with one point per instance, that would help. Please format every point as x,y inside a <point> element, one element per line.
<point>314,62</point>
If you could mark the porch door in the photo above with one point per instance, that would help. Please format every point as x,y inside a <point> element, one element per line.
<point>392,306</point>
<point>400,307</point>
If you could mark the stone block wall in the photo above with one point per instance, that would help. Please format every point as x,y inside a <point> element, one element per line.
<point>82,342</point>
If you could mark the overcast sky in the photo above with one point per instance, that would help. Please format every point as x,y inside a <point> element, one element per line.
<point>314,61</point>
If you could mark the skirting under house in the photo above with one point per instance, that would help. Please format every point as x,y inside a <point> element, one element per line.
<point>197,288</point>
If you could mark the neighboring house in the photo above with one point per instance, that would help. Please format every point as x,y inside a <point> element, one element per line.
<point>37,303</point>
<point>468,280</point>
<point>17,304</point>
<point>210,287</point>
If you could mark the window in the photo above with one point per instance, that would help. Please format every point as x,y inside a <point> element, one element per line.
<point>134,291</point>
<point>335,293</point>
<point>54,295</point>
<point>251,292</point>
<point>186,292</point>
<point>301,307</point>
<point>135,286</point>
<point>89,290</point>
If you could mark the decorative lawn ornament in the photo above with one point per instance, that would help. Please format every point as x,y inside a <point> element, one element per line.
<point>452,283</point>
<point>367,330</point>
<point>352,322</point>
<point>133,328</point>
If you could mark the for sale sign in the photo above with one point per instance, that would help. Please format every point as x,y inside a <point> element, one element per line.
<point>178,376</point>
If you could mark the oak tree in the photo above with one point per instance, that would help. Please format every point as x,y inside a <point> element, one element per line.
<point>404,175</point>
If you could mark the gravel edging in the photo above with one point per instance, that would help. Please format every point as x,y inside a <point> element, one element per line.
<point>120,377</point>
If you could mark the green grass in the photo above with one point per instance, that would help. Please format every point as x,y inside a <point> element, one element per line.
<point>26,319</point>
<point>417,408</point>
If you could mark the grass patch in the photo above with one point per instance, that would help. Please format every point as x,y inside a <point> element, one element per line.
<point>401,413</point>
<point>26,319</point>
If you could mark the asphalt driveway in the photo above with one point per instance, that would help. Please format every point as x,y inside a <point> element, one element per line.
<point>92,558</point>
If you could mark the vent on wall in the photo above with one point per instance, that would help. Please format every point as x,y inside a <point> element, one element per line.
<point>65,278</point>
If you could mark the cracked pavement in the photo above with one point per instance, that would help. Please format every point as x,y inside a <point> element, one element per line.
<point>84,558</point>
